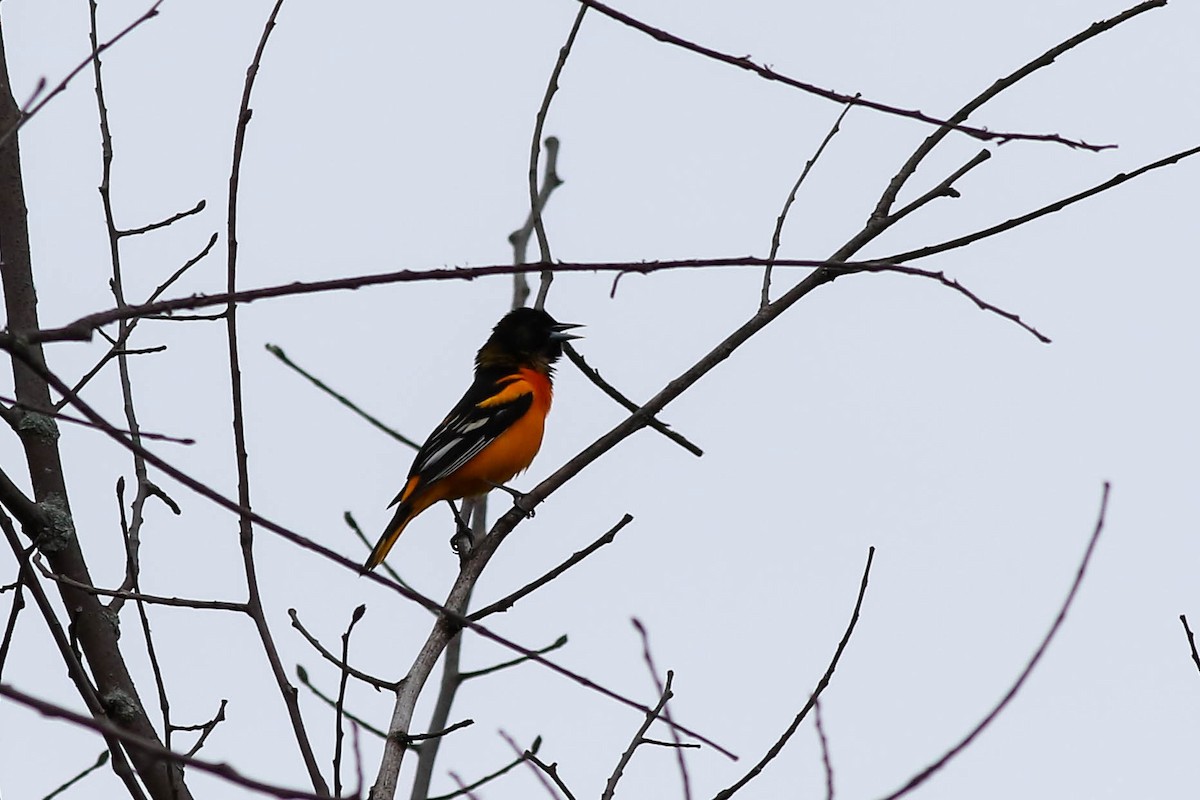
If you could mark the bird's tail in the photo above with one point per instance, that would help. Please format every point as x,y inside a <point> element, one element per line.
<point>405,511</point>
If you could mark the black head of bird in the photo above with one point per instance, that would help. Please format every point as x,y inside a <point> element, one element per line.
<point>528,336</point>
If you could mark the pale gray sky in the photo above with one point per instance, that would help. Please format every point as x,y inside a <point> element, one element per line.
<point>881,410</point>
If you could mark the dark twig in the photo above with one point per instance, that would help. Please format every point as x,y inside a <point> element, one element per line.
<point>171,220</point>
<point>277,351</point>
<point>245,524</point>
<point>1058,205</point>
<point>777,748</point>
<point>539,767</point>
<point>624,401</point>
<point>302,676</point>
<point>340,706</point>
<point>610,787</point>
<point>744,62</point>
<point>426,737</point>
<point>826,763</point>
<point>178,602</point>
<point>535,205</point>
<point>1191,639</point>
<point>53,412</point>
<point>14,611</point>
<point>28,113</point>
<point>83,328</point>
<point>478,673</point>
<point>345,668</point>
<point>676,742</point>
<point>491,776</point>
<point>507,602</point>
<point>966,741</point>
<point>100,762</point>
<point>205,728</point>
<point>776,236</point>
<point>152,748</point>
<point>519,239</point>
<point>362,537</point>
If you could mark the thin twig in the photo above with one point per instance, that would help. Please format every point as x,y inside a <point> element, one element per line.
<point>133,741</point>
<point>776,236</point>
<point>966,741</point>
<point>777,748</point>
<point>345,668</point>
<point>178,602</point>
<point>519,239</point>
<point>28,113</point>
<point>100,762</point>
<point>205,728</point>
<point>56,414</point>
<point>610,787</point>
<point>648,657</point>
<point>826,763</point>
<point>163,223</point>
<point>535,209</point>
<point>744,62</point>
<point>1191,639</point>
<point>479,673</point>
<point>540,768</point>
<point>14,611</point>
<point>302,676</point>
<point>491,776</point>
<point>507,602</point>
<point>340,706</point>
<point>83,328</point>
<point>245,526</point>
<point>277,351</point>
<point>629,405</point>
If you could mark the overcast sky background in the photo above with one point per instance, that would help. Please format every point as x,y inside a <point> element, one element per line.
<point>881,410</point>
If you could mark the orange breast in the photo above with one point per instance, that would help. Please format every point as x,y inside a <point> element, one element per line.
<point>512,451</point>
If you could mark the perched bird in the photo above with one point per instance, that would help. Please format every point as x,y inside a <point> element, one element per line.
<point>494,431</point>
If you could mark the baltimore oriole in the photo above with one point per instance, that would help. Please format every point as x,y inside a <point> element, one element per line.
<point>495,430</point>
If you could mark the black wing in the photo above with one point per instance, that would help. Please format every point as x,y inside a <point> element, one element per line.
<point>488,409</point>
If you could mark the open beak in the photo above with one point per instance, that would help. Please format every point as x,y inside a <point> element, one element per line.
<point>558,332</point>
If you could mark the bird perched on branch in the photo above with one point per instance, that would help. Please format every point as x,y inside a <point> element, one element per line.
<point>494,431</point>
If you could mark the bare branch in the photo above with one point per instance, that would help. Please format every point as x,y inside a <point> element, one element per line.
<point>178,602</point>
<point>777,748</point>
<point>464,790</point>
<point>612,391</point>
<point>610,787</point>
<point>1058,205</point>
<point>744,62</point>
<point>824,740</point>
<point>100,762</point>
<point>205,728</point>
<point>933,768</point>
<point>340,705</point>
<point>648,657</point>
<point>345,668</point>
<point>1191,639</point>
<point>765,295</point>
<point>152,748</point>
<point>28,113</point>
<point>171,220</point>
<point>506,603</point>
<point>277,351</point>
<point>56,414</point>
<point>535,205</point>
<point>302,676</point>
<point>478,673</point>
<point>540,768</point>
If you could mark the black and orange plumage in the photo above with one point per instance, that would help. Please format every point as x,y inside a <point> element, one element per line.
<point>495,430</point>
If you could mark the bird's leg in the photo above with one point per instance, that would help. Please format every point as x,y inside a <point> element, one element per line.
<point>462,532</point>
<point>518,497</point>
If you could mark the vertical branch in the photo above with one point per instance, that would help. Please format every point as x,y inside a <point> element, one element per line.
<point>141,492</point>
<point>55,533</point>
<point>765,299</point>
<point>535,147</point>
<point>245,527</point>
<point>339,707</point>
